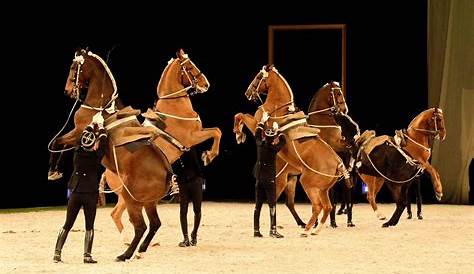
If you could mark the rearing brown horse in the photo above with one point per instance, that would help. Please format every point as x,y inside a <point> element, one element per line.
<point>419,137</point>
<point>145,172</point>
<point>312,157</point>
<point>182,125</point>
<point>327,102</point>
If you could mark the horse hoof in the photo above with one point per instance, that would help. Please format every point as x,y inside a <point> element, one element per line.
<point>386,224</point>
<point>420,217</point>
<point>409,216</point>
<point>206,158</point>
<point>54,175</point>
<point>120,258</point>
<point>304,235</point>
<point>350,224</point>
<point>139,255</point>
<point>302,225</point>
<point>333,225</point>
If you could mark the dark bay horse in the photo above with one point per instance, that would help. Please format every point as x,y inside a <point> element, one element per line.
<point>314,159</point>
<point>144,173</point>
<point>181,126</point>
<point>326,106</point>
<point>398,166</point>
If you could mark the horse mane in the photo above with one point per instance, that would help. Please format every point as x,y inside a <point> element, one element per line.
<point>418,117</point>
<point>170,62</point>
<point>315,97</point>
<point>348,128</point>
<point>285,82</point>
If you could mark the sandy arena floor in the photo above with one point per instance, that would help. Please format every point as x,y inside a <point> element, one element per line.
<point>441,243</point>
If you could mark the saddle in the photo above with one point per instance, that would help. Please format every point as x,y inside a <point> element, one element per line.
<point>123,127</point>
<point>368,141</point>
<point>155,119</point>
<point>399,137</point>
<point>300,132</point>
<point>296,127</point>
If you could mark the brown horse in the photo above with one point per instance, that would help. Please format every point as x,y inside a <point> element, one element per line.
<point>316,161</point>
<point>327,102</point>
<point>399,166</point>
<point>145,173</point>
<point>182,125</point>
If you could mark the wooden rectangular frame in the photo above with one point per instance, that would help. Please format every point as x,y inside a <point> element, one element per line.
<point>341,27</point>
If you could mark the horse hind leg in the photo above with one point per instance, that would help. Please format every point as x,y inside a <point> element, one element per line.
<point>313,195</point>
<point>327,207</point>
<point>399,193</point>
<point>136,218</point>
<point>290,200</point>
<point>155,224</point>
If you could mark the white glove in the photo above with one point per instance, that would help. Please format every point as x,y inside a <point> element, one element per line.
<point>98,119</point>
<point>265,117</point>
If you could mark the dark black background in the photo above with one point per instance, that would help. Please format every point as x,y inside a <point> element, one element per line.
<point>386,75</point>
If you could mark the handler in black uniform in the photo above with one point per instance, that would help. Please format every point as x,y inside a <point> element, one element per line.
<point>84,185</point>
<point>264,171</point>
<point>190,181</point>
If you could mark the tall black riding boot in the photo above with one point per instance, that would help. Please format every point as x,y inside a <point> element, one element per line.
<point>256,223</point>
<point>349,216</point>
<point>88,240</point>
<point>197,221</point>
<point>184,228</point>
<point>59,245</point>
<point>273,228</point>
<point>332,217</point>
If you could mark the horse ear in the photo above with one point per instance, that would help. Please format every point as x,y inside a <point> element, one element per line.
<point>180,53</point>
<point>269,67</point>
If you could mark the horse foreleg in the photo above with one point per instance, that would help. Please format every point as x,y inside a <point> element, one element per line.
<point>435,180</point>
<point>116,215</point>
<point>115,183</point>
<point>241,119</point>
<point>155,224</point>
<point>68,139</point>
<point>136,218</point>
<point>374,184</point>
<point>204,134</point>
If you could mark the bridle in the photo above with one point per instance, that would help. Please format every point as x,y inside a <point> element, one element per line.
<point>78,86</point>
<point>192,78</point>
<point>253,94</point>
<point>433,133</point>
<point>334,109</point>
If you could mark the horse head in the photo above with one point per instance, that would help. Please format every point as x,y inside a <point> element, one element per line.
<point>80,72</point>
<point>330,98</point>
<point>258,85</point>
<point>181,75</point>
<point>90,80</point>
<point>430,122</point>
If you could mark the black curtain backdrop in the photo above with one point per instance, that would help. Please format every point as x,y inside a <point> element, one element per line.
<point>386,77</point>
